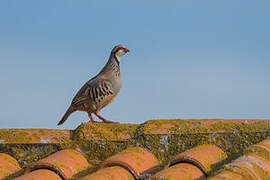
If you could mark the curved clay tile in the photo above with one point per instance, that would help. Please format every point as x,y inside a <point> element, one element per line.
<point>110,173</point>
<point>181,171</point>
<point>227,175</point>
<point>67,163</point>
<point>136,160</point>
<point>195,163</point>
<point>204,156</point>
<point>249,167</point>
<point>40,174</point>
<point>262,149</point>
<point>8,165</point>
<point>254,164</point>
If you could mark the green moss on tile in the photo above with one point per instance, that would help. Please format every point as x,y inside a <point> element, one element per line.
<point>13,136</point>
<point>28,153</point>
<point>179,135</point>
<point>108,131</point>
<point>99,141</point>
<point>164,138</point>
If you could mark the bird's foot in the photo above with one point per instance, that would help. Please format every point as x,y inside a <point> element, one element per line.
<point>91,118</point>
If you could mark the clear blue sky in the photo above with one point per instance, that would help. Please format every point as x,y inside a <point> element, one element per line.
<point>189,59</point>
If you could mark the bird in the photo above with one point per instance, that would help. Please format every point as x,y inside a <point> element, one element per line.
<point>101,90</point>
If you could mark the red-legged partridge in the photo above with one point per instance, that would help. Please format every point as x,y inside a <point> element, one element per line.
<point>101,90</point>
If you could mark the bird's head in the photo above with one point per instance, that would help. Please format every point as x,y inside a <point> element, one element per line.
<point>118,51</point>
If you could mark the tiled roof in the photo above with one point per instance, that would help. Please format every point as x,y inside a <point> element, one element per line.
<point>155,150</point>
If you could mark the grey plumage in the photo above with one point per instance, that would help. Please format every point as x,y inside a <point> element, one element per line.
<point>101,89</point>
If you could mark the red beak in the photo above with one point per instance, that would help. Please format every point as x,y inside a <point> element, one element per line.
<point>126,50</point>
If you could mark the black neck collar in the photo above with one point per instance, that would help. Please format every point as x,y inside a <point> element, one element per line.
<point>116,59</point>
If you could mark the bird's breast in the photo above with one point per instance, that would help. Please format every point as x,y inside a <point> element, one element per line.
<point>117,84</point>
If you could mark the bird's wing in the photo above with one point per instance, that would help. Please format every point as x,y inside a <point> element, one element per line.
<point>94,91</point>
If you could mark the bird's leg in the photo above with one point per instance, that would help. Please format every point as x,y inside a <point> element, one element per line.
<point>103,119</point>
<point>91,117</point>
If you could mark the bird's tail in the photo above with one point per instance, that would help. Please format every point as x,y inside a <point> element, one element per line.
<point>64,118</point>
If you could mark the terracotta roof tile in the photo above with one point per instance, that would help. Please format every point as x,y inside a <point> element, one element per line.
<point>227,175</point>
<point>245,167</point>
<point>40,174</point>
<point>110,173</point>
<point>206,157</point>
<point>254,164</point>
<point>262,149</point>
<point>8,165</point>
<point>194,163</point>
<point>66,163</point>
<point>136,160</point>
<point>181,171</point>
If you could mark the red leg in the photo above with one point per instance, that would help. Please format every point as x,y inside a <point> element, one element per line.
<point>91,117</point>
<point>103,119</point>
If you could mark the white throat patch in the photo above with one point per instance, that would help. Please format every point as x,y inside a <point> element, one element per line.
<point>119,54</point>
